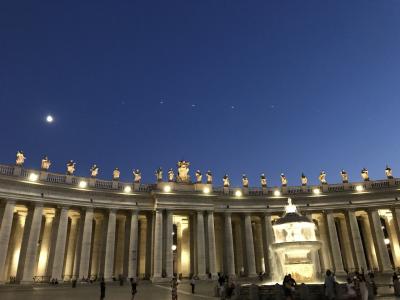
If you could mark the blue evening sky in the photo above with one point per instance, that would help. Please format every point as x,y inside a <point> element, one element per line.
<point>232,86</point>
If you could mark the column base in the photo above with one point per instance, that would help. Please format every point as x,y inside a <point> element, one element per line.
<point>26,282</point>
<point>254,275</point>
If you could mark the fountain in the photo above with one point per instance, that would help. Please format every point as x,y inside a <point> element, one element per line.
<point>295,247</point>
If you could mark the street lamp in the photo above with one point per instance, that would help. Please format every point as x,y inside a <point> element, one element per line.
<point>173,248</point>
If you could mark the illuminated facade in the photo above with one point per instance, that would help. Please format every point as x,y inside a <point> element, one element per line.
<point>67,227</point>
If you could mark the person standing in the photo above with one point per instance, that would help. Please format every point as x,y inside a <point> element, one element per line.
<point>329,285</point>
<point>133,287</point>
<point>193,284</point>
<point>174,289</point>
<point>363,287</point>
<point>102,289</point>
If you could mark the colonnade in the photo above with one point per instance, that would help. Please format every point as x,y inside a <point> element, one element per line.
<point>40,242</point>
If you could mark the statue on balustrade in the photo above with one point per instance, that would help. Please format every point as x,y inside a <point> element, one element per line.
<point>199,176</point>
<point>171,175</point>
<point>388,172</point>
<point>46,163</point>
<point>245,181</point>
<point>159,174</point>
<point>304,179</point>
<point>322,177</point>
<point>137,176</point>
<point>263,180</point>
<point>345,176</point>
<point>183,171</point>
<point>94,171</point>
<point>226,181</point>
<point>20,158</point>
<point>283,180</point>
<point>209,177</point>
<point>71,167</point>
<point>364,174</point>
<point>116,174</point>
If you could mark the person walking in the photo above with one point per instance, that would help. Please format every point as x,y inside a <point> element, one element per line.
<point>174,289</point>
<point>193,284</point>
<point>133,287</point>
<point>102,289</point>
<point>329,285</point>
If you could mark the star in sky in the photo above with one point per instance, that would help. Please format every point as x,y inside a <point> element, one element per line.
<point>49,119</point>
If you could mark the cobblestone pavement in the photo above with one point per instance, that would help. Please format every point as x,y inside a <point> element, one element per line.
<point>146,291</point>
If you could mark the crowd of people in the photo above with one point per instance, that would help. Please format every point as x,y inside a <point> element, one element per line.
<point>358,286</point>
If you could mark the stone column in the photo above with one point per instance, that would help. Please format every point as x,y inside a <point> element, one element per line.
<point>258,248</point>
<point>346,244</point>
<point>169,259</point>
<point>5,231</point>
<point>45,245</point>
<point>69,261</point>
<point>85,244</point>
<point>334,242</point>
<point>17,235</point>
<point>323,235</point>
<point>268,239</point>
<point>211,245</point>
<point>158,247</point>
<point>229,254</point>
<point>27,258</point>
<point>110,246</point>
<point>369,243</point>
<point>396,220</point>
<point>133,245</point>
<point>201,247</point>
<point>121,244</point>
<point>379,241</point>
<point>56,261</point>
<point>355,237</point>
<point>249,245</point>
<point>394,242</point>
<point>315,254</point>
<point>97,245</point>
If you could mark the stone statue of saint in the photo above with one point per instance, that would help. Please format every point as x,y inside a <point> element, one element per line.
<point>226,181</point>
<point>283,180</point>
<point>322,177</point>
<point>304,179</point>
<point>116,174</point>
<point>46,163</point>
<point>245,181</point>
<point>199,176</point>
<point>209,177</point>
<point>345,176</point>
<point>171,175</point>
<point>71,167</point>
<point>388,172</point>
<point>364,174</point>
<point>159,174</point>
<point>183,171</point>
<point>94,171</point>
<point>20,158</point>
<point>263,180</point>
<point>137,176</point>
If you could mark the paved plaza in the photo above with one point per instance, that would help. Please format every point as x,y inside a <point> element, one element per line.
<point>146,291</point>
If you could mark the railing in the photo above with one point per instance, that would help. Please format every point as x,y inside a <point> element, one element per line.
<point>54,178</point>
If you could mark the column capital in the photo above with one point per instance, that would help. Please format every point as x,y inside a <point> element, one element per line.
<point>227,213</point>
<point>200,212</point>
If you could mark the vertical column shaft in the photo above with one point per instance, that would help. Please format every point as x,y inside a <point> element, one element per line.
<point>249,245</point>
<point>229,254</point>
<point>27,260</point>
<point>379,241</point>
<point>157,250</point>
<point>5,232</point>
<point>268,239</point>
<point>211,245</point>
<point>133,245</point>
<point>110,246</point>
<point>334,241</point>
<point>86,244</point>
<point>45,246</point>
<point>56,261</point>
<point>168,244</point>
<point>355,237</point>
<point>201,249</point>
